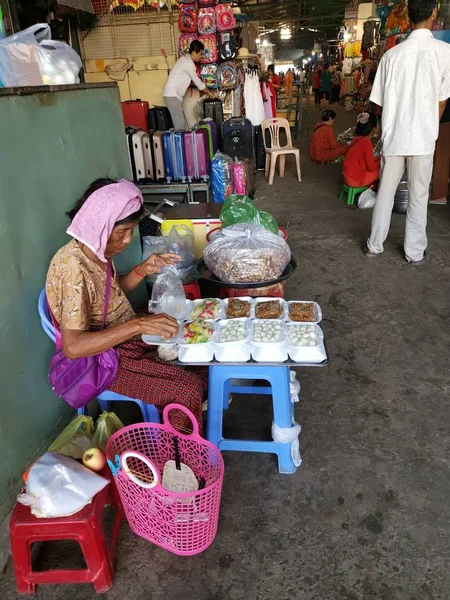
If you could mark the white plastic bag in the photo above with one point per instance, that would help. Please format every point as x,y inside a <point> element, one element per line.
<point>30,58</point>
<point>367,199</point>
<point>168,295</point>
<point>59,63</point>
<point>246,253</point>
<point>59,486</point>
<point>294,386</point>
<point>286,435</point>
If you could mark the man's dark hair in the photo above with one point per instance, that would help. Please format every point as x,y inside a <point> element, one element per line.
<point>420,10</point>
<point>326,66</point>
<point>196,46</point>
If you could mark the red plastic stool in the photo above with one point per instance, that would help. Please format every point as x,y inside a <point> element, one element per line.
<point>192,290</point>
<point>85,527</point>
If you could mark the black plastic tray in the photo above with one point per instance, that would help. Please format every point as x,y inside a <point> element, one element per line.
<point>203,271</point>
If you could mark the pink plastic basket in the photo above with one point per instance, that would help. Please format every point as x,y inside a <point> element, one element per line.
<point>183,523</point>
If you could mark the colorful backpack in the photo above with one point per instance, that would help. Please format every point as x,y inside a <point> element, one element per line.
<point>225,18</point>
<point>227,45</point>
<point>207,21</point>
<point>227,76</point>
<point>186,1</point>
<point>210,43</point>
<point>185,42</point>
<point>188,19</point>
<point>206,3</point>
<point>210,76</point>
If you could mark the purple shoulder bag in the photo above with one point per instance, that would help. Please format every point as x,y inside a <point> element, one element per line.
<point>80,380</point>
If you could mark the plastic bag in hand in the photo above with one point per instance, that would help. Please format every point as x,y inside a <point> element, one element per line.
<point>221,177</point>
<point>76,438</point>
<point>58,486</point>
<point>107,424</point>
<point>168,295</point>
<point>181,241</point>
<point>247,253</point>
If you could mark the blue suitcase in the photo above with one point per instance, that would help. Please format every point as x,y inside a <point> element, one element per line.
<point>174,156</point>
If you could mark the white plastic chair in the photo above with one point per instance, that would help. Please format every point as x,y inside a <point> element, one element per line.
<point>276,150</point>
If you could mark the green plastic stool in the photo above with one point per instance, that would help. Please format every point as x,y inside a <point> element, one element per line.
<point>351,193</point>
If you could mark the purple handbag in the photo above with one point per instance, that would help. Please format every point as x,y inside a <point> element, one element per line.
<point>80,380</point>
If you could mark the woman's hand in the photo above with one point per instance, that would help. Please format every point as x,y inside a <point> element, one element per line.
<point>156,262</point>
<point>161,325</point>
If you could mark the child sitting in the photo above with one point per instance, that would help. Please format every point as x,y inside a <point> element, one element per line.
<point>360,168</point>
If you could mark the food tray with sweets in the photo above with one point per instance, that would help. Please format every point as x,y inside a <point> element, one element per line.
<point>232,340</point>
<point>269,308</point>
<point>305,343</point>
<point>303,312</point>
<point>238,308</point>
<point>207,309</point>
<point>268,340</point>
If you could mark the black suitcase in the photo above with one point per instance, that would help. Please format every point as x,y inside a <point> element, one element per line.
<point>238,138</point>
<point>159,119</point>
<point>213,109</point>
<point>260,152</point>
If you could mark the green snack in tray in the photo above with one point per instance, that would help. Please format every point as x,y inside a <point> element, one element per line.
<point>197,332</point>
<point>207,309</point>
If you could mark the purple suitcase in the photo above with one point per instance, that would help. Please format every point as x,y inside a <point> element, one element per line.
<point>196,148</point>
<point>211,128</point>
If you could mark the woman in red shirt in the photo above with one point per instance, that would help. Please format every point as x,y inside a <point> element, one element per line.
<point>324,148</point>
<point>275,85</point>
<point>360,168</point>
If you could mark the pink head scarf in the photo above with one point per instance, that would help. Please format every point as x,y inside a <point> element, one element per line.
<point>94,222</point>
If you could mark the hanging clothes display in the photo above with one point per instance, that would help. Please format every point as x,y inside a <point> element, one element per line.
<point>267,100</point>
<point>248,38</point>
<point>254,105</point>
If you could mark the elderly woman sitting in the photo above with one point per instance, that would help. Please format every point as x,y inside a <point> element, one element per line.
<point>102,224</point>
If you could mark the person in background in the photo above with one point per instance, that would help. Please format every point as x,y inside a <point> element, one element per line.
<point>441,172</point>
<point>412,109</point>
<point>323,147</point>
<point>336,81</point>
<point>316,83</point>
<point>180,78</point>
<point>360,168</point>
<point>274,85</point>
<point>289,82</point>
<point>325,84</point>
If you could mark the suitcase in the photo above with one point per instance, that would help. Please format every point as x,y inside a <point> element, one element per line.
<point>159,119</point>
<point>135,114</point>
<point>238,138</point>
<point>197,152</point>
<point>158,155</point>
<point>260,152</point>
<point>211,129</point>
<point>148,157</point>
<point>174,157</point>
<point>213,109</point>
<point>136,152</point>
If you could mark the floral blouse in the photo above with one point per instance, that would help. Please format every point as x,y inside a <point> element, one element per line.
<point>75,291</point>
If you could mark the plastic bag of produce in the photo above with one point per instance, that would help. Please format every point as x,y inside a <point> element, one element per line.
<point>76,438</point>
<point>242,209</point>
<point>58,486</point>
<point>221,177</point>
<point>107,424</point>
<point>247,253</point>
<point>168,295</point>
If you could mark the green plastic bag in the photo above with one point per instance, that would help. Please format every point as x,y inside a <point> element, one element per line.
<point>76,438</point>
<point>241,209</point>
<point>107,424</point>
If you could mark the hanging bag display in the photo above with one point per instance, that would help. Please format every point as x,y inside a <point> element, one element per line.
<point>188,19</point>
<point>209,74</point>
<point>207,21</point>
<point>208,3</point>
<point>211,54</point>
<point>225,18</point>
<point>80,380</point>
<point>227,76</point>
<point>227,45</point>
<point>185,42</point>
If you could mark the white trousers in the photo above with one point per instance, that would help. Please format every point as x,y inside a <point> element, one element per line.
<point>419,169</point>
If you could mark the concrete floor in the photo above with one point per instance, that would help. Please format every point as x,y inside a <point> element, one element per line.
<point>367,515</point>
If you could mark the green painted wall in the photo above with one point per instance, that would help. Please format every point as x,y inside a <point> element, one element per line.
<point>53,145</point>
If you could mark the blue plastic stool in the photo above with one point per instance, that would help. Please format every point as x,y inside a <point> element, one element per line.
<point>149,412</point>
<point>283,410</point>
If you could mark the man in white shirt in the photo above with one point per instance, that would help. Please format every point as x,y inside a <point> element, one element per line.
<point>412,86</point>
<point>180,78</point>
